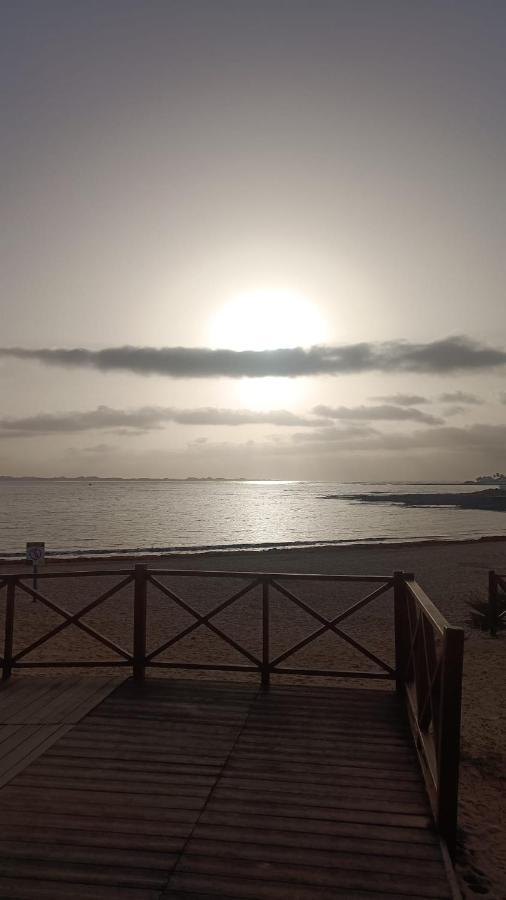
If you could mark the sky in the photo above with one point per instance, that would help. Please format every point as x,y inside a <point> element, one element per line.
<point>253,239</point>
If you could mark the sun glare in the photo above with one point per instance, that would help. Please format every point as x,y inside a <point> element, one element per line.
<point>267,320</point>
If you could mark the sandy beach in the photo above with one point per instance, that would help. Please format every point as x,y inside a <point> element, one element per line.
<point>453,574</point>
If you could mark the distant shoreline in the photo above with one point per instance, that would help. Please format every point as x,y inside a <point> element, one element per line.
<point>208,478</point>
<point>492,499</point>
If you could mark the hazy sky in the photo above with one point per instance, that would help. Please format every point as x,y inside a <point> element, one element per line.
<point>182,178</point>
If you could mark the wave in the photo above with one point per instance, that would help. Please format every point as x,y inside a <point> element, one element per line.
<point>250,547</point>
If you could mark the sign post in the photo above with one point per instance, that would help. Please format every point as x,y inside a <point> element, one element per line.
<point>36,554</point>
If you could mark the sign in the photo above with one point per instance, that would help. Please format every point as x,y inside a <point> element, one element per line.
<point>35,552</point>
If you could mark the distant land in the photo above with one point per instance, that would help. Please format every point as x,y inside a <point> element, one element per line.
<point>108,478</point>
<point>119,478</point>
<point>491,499</point>
<point>205,478</point>
<point>497,479</point>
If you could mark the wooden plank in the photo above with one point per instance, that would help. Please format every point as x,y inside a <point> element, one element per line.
<point>31,699</point>
<point>343,879</point>
<point>332,791</point>
<point>38,889</point>
<point>135,765</point>
<point>112,752</point>
<point>343,799</point>
<point>115,773</point>
<point>27,703</point>
<point>19,691</point>
<point>31,746</point>
<point>72,821</point>
<point>83,874</point>
<point>345,757</point>
<point>35,703</point>
<point>321,772</point>
<point>185,725</point>
<point>82,854</point>
<point>322,745</point>
<point>149,729</point>
<point>337,843</point>
<point>349,810</point>
<point>93,786</point>
<point>17,735</point>
<point>85,701</point>
<point>335,725</point>
<point>95,838</point>
<point>123,810</point>
<point>358,826</point>
<point>360,858</point>
<point>342,775</point>
<point>196,886</point>
<point>14,796</point>
<point>352,814</point>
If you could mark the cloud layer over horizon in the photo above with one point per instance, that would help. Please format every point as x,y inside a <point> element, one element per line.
<point>150,418</point>
<point>449,355</point>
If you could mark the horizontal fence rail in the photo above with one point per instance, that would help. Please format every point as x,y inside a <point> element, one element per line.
<point>428,651</point>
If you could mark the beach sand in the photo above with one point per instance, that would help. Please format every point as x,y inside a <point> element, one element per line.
<point>453,574</point>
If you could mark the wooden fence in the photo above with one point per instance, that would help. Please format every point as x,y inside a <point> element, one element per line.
<point>429,661</point>
<point>428,651</point>
<point>496,601</point>
<point>491,614</point>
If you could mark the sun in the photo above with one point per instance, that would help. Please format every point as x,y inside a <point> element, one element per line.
<point>267,319</point>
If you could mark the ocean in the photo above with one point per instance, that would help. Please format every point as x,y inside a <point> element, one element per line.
<point>105,518</point>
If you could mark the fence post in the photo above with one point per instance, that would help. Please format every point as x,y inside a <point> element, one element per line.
<point>140,595</point>
<point>493,603</point>
<point>401,629</point>
<point>449,734</point>
<point>9,626</point>
<point>266,673</point>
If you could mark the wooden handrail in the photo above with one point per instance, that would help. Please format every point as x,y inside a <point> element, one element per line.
<point>429,660</point>
<point>430,611</point>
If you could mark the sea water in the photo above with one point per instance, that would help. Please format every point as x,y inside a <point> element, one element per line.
<point>114,517</point>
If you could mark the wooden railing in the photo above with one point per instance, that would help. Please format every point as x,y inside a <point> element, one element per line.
<point>428,651</point>
<point>496,609</point>
<point>429,654</point>
<point>140,659</point>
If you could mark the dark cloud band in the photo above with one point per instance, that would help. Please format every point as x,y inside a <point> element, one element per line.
<point>144,419</point>
<point>448,355</point>
<point>384,413</point>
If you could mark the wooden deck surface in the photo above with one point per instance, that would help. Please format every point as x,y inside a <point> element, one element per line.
<point>35,712</point>
<point>187,790</point>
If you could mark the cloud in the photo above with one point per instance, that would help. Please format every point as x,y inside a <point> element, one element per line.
<point>460,397</point>
<point>146,418</point>
<point>479,437</point>
<point>402,399</point>
<point>383,413</point>
<point>99,449</point>
<point>334,441</point>
<point>451,354</point>
<point>454,411</point>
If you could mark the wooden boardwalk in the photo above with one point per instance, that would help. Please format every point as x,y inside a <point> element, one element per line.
<point>187,790</point>
<point>35,712</point>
